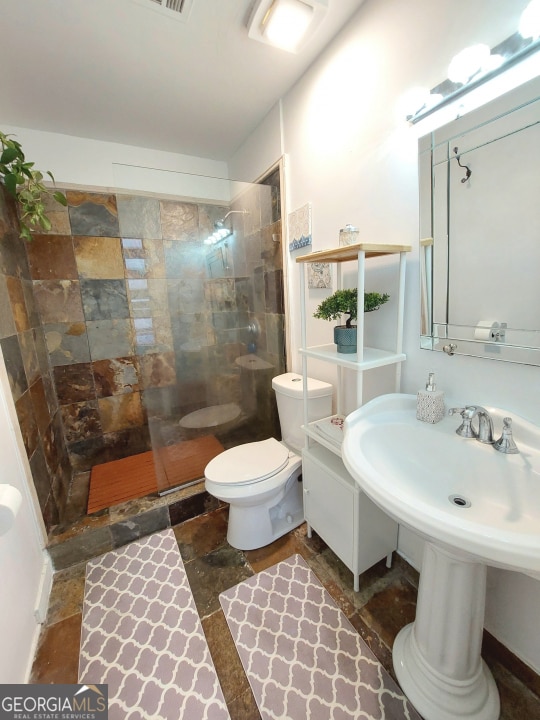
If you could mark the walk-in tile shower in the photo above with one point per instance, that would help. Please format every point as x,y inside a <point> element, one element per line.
<point>132,327</point>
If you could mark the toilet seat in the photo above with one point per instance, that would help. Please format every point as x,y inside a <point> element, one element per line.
<point>248,463</point>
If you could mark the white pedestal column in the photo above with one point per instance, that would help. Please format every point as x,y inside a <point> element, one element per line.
<point>437,658</point>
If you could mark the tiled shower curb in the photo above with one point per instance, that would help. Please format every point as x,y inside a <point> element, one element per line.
<point>96,534</point>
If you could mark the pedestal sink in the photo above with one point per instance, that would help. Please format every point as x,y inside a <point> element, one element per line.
<point>475,507</point>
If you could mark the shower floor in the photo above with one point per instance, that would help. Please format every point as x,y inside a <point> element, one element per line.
<point>162,470</point>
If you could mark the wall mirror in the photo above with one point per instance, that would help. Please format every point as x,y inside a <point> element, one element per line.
<point>479,181</point>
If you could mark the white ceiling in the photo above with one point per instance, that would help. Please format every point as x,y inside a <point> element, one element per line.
<point>121,71</point>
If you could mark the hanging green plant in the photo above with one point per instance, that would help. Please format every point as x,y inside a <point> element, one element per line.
<point>25,184</point>
<point>345,302</point>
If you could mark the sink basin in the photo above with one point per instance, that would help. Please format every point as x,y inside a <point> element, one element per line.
<point>475,507</point>
<point>452,489</point>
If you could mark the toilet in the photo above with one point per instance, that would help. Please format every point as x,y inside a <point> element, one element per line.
<point>261,480</point>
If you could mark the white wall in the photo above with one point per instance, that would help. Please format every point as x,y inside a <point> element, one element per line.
<point>93,163</point>
<point>352,156</point>
<point>25,569</point>
<point>255,157</point>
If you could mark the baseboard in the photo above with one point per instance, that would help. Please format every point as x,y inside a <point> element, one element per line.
<point>44,589</point>
<point>40,610</point>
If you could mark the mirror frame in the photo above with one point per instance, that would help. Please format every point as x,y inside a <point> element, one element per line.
<point>432,150</point>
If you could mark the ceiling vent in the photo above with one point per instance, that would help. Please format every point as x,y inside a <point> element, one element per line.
<point>175,9</point>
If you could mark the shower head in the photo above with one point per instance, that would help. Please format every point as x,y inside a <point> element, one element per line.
<point>221,223</point>
<point>221,232</point>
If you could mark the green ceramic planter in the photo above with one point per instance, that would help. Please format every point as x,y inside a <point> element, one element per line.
<point>345,338</point>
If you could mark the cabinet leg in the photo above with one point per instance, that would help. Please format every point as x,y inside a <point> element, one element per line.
<point>389,560</point>
<point>356,585</point>
<point>308,530</point>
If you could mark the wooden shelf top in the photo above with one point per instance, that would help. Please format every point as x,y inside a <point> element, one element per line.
<point>350,252</point>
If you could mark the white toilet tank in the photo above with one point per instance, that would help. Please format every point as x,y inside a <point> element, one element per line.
<point>290,404</point>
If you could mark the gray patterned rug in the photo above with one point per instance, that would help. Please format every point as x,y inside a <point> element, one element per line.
<point>301,655</point>
<point>141,634</point>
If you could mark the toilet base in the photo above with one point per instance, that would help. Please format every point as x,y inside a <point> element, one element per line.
<point>252,527</point>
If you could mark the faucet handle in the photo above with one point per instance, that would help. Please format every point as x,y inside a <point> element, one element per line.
<point>465,429</point>
<point>466,412</point>
<point>505,443</point>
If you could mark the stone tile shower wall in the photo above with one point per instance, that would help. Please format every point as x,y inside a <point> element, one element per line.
<point>25,355</point>
<point>141,322</point>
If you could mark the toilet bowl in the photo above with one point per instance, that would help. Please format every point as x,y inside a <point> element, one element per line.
<point>261,480</point>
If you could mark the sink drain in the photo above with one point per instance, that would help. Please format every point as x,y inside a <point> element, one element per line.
<point>460,501</point>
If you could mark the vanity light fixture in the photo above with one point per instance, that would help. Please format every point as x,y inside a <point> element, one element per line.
<point>476,64</point>
<point>286,24</point>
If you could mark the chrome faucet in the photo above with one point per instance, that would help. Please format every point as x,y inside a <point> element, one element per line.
<point>504,444</point>
<point>485,423</point>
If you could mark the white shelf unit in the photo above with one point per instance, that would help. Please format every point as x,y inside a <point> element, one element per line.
<point>334,506</point>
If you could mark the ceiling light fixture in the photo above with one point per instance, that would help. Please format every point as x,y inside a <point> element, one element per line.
<point>286,24</point>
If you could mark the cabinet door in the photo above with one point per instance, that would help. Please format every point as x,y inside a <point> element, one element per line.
<point>329,507</point>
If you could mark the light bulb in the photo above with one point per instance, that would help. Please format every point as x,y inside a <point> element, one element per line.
<point>529,23</point>
<point>468,63</point>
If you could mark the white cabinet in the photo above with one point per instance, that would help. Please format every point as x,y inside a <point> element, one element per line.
<point>334,506</point>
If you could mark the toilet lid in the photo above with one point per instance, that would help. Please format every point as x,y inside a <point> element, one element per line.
<point>247,463</point>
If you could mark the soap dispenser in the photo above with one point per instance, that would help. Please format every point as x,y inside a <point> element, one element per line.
<point>430,402</point>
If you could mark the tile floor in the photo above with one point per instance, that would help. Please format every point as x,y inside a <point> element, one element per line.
<point>385,603</point>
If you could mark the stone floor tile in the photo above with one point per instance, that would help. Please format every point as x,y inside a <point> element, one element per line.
<point>387,611</point>
<point>517,701</point>
<point>57,657</point>
<point>202,535</point>
<point>146,523</point>
<point>225,656</point>
<point>373,641</point>
<point>213,573</point>
<point>193,506</point>
<point>81,547</point>
<point>279,550</point>
<point>67,594</point>
<point>496,652</point>
<point>244,707</point>
<point>314,544</point>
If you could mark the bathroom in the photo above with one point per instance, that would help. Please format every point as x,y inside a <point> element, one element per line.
<point>349,153</point>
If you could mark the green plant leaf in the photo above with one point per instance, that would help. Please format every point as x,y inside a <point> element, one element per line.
<point>60,197</point>
<point>25,184</point>
<point>45,223</point>
<point>25,233</point>
<point>345,302</point>
<point>9,155</point>
<point>10,181</point>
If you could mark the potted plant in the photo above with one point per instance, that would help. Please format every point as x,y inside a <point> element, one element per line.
<point>345,302</point>
<point>25,184</point>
